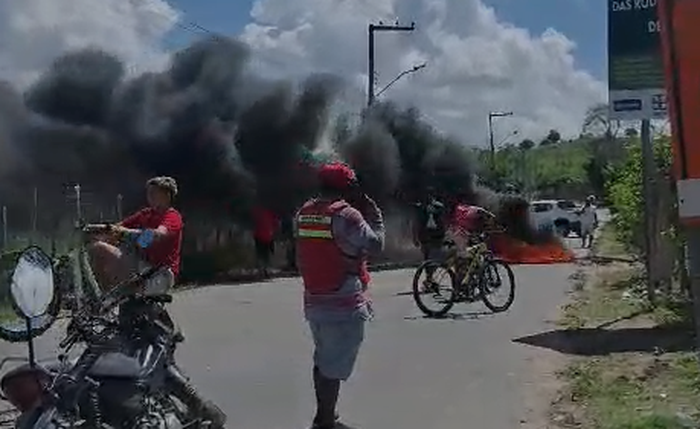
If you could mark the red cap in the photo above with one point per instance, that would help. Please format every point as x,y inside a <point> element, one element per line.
<point>337,175</point>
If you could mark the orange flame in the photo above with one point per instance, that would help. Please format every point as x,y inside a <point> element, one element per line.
<point>515,251</point>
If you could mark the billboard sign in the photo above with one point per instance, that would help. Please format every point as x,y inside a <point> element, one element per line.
<point>636,88</point>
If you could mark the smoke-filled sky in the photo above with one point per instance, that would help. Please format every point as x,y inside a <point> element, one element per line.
<point>229,136</point>
<point>476,61</point>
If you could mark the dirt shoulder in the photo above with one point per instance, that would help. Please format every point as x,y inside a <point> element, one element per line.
<point>627,365</point>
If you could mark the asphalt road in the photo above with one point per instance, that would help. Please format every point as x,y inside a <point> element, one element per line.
<point>248,348</point>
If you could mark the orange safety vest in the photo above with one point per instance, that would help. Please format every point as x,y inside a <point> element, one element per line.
<point>322,264</point>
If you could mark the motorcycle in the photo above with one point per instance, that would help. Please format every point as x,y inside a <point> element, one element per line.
<point>124,376</point>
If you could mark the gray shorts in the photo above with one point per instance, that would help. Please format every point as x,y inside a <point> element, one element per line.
<point>159,283</point>
<point>337,344</point>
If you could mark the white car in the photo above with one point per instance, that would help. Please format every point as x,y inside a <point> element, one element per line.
<point>558,215</point>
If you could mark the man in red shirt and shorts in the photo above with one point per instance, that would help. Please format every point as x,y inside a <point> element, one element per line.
<point>114,263</point>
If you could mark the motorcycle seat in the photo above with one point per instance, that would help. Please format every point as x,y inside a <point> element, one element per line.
<point>116,365</point>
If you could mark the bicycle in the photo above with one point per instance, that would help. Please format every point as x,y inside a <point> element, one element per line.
<point>472,277</point>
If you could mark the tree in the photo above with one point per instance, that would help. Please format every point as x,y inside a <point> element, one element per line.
<point>526,144</point>
<point>597,122</point>
<point>553,136</point>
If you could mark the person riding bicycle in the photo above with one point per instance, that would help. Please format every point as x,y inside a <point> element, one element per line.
<point>466,223</point>
<point>116,257</point>
<point>463,223</point>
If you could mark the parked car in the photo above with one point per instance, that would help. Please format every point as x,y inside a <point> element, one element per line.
<point>558,215</point>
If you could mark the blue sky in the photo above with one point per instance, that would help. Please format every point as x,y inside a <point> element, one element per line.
<point>583,21</point>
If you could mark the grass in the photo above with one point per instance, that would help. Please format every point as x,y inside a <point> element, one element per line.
<point>632,389</point>
<point>607,243</point>
<point>6,312</point>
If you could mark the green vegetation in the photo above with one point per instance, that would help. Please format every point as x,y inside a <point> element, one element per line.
<point>550,169</point>
<point>650,393</point>
<point>624,190</point>
<point>555,167</point>
<point>649,379</point>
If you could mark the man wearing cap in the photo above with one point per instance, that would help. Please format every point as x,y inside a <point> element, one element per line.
<point>335,234</point>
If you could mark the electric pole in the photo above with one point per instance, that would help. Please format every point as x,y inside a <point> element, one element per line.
<point>492,145</point>
<point>370,33</point>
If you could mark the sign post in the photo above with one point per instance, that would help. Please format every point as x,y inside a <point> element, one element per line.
<point>637,92</point>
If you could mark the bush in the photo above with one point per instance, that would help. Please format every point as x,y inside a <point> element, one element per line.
<point>624,190</point>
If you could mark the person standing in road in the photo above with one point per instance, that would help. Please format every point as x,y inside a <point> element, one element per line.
<point>266,225</point>
<point>335,234</point>
<point>287,235</point>
<point>589,221</point>
<point>429,226</point>
<point>429,229</point>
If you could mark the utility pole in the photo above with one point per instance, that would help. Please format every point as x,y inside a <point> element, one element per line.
<point>120,198</point>
<point>371,29</point>
<point>78,204</point>
<point>35,213</point>
<point>4,226</point>
<point>650,207</point>
<point>492,145</point>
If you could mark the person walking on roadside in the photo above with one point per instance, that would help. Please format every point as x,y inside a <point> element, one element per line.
<point>335,234</point>
<point>287,235</point>
<point>266,225</point>
<point>589,221</point>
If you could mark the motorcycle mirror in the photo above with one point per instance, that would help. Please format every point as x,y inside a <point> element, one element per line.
<point>145,239</point>
<point>32,284</point>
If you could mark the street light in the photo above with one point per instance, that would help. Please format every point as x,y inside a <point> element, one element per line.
<point>402,74</point>
<point>491,143</point>
<point>371,29</point>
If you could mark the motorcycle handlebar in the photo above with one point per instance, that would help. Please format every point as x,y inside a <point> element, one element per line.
<point>118,294</point>
<point>68,342</point>
<point>96,228</point>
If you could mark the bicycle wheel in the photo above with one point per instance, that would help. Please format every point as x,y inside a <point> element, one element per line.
<point>496,278</point>
<point>441,287</point>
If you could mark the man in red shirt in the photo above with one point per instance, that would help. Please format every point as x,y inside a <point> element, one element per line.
<point>114,263</point>
<point>266,225</point>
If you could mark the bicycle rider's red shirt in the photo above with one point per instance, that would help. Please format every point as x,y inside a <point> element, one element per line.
<point>165,251</point>
<point>465,219</point>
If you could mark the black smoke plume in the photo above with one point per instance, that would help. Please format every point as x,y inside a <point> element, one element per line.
<point>231,140</point>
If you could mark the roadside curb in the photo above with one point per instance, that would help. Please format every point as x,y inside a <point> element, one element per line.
<point>252,277</point>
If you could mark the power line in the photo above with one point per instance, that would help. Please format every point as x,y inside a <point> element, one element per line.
<point>187,25</point>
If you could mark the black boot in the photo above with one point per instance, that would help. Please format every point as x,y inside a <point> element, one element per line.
<point>197,405</point>
<point>327,391</point>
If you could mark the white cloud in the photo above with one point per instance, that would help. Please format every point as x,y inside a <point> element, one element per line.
<point>476,63</point>
<point>34,32</point>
